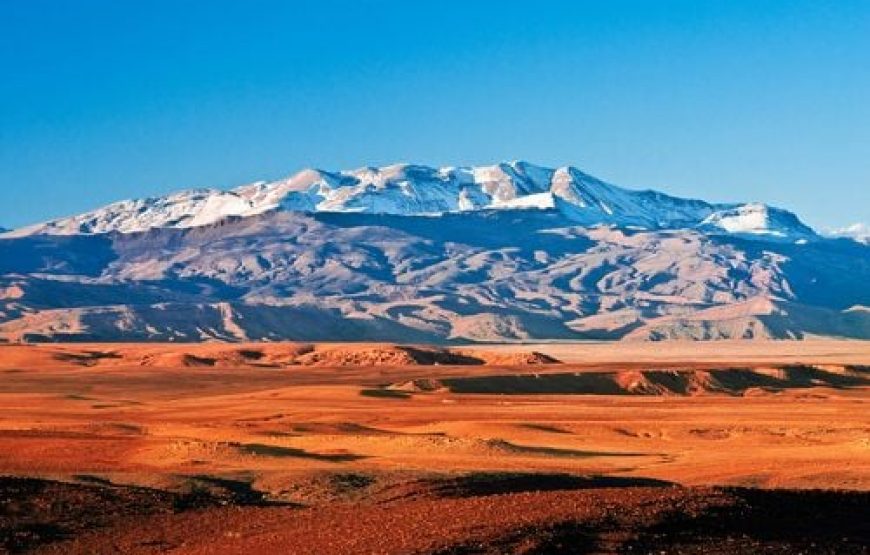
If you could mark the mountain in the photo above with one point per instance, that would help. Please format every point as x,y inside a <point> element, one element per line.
<point>413,190</point>
<point>857,232</point>
<point>415,254</point>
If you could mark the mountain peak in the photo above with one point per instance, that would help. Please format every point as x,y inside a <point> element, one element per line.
<point>408,189</point>
<point>859,232</point>
<point>758,219</point>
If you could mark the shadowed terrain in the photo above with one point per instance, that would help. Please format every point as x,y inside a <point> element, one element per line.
<point>524,514</point>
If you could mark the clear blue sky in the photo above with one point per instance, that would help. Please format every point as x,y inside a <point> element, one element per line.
<point>724,100</point>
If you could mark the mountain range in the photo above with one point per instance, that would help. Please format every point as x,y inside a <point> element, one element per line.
<point>512,251</point>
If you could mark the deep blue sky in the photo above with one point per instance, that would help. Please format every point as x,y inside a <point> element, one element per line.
<point>727,100</point>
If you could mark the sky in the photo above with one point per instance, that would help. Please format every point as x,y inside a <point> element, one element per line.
<point>730,100</point>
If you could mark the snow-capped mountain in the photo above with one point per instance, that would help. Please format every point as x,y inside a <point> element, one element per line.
<point>413,190</point>
<point>490,275</point>
<point>859,232</point>
<point>411,253</point>
<point>758,219</point>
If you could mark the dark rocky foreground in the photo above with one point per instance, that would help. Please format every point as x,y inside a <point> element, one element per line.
<point>504,513</point>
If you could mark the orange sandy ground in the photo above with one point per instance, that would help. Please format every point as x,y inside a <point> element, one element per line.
<point>70,411</point>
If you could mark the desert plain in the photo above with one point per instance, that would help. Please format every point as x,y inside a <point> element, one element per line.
<point>719,447</point>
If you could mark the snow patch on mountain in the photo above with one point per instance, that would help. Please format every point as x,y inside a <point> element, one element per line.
<point>409,189</point>
<point>541,201</point>
<point>184,209</point>
<point>757,219</point>
<point>859,232</point>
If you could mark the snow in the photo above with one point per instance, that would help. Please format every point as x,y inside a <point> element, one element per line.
<point>757,219</point>
<point>536,200</point>
<point>749,218</point>
<point>409,189</point>
<point>859,232</point>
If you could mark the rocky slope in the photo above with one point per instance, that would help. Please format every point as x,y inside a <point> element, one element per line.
<point>412,253</point>
<point>487,275</point>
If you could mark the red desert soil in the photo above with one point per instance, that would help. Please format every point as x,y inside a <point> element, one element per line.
<point>395,449</point>
<point>261,355</point>
<point>521,514</point>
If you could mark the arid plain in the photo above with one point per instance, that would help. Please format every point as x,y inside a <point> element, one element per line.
<point>589,447</point>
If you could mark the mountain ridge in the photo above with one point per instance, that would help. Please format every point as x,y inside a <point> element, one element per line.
<point>858,232</point>
<point>410,253</point>
<point>482,276</point>
<point>413,190</point>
